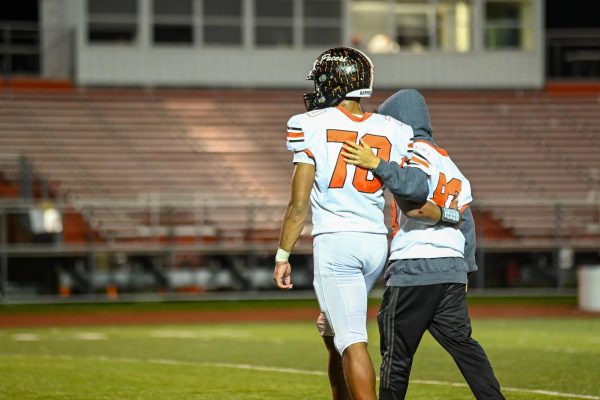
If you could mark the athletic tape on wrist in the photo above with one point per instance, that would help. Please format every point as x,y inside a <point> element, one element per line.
<point>282,255</point>
<point>450,216</point>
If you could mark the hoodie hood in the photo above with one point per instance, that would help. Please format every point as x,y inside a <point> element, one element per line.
<point>409,106</point>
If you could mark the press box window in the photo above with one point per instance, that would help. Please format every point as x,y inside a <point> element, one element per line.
<point>370,26</point>
<point>21,48</point>
<point>222,22</point>
<point>383,26</point>
<point>322,22</point>
<point>112,21</point>
<point>509,25</point>
<point>274,22</point>
<point>172,22</point>
<point>453,25</point>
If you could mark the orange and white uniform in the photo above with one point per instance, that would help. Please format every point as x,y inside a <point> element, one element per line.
<point>350,245</point>
<point>415,240</point>
<point>346,198</point>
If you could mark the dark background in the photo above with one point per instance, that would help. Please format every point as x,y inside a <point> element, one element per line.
<point>559,13</point>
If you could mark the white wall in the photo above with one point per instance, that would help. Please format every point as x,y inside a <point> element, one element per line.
<point>141,64</point>
<point>288,68</point>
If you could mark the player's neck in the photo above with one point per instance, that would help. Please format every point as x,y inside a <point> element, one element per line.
<point>352,106</point>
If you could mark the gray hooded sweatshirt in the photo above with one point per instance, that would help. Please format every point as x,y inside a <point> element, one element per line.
<point>409,106</point>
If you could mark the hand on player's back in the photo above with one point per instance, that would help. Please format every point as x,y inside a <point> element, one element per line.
<point>360,155</point>
<point>454,206</point>
<point>282,275</point>
<point>454,202</point>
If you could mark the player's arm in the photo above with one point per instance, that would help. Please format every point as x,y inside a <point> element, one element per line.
<point>427,212</point>
<point>407,183</point>
<point>297,209</point>
<point>293,222</point>
<point>430,213</point>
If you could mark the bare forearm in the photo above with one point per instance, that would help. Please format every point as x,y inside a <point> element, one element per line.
<point>427,212</point>
<point>297,209</point>
<point>293,223</point>
<point>407,183</point>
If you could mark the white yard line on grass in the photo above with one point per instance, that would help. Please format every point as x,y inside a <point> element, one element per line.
<point>90,336</point>
<point>164,361</point>
<point>26,337</point>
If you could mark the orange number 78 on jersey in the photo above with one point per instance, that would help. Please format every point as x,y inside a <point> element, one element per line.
<point>360,180</point>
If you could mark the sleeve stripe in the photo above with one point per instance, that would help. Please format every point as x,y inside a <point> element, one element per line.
<point>290,128</point>
<point>295,134</point>
<point>419,161</point>
<point>295,140</point>
<point>416,153</point>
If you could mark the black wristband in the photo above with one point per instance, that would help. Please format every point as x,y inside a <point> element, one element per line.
<point>450,216</point>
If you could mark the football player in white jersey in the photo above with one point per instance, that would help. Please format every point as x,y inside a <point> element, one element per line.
<point>427,272</point>
<point>350,237</point>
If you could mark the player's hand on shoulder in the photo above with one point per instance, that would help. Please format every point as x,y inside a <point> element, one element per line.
<point>360,155</point>
<point>282,275</point>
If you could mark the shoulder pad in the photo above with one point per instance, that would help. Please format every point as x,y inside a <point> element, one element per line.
<point>316,113</point>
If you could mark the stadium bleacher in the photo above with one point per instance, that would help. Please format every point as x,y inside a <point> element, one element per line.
<point>212,165</point>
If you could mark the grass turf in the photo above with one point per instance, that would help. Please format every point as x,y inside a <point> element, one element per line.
<point>249,361</point>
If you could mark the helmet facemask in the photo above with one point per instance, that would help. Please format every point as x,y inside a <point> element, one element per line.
<point>322,97</point>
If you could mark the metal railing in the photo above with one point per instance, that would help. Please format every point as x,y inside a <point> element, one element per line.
<point>573,53</point>
<point>163,258</point>
<point>28,51</point>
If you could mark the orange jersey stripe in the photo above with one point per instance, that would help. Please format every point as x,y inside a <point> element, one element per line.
<point>295,134</point>
<point>420,161</point>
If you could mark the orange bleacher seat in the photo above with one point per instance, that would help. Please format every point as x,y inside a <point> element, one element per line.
<point>110,145</point>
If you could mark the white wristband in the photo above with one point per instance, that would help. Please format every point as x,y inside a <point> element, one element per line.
<point>282,255</point>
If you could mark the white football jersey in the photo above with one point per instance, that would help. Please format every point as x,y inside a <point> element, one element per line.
<point>345,198</point>
<point>413,239</point>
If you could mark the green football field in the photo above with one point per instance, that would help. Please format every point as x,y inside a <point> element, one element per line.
<point>533,359</point>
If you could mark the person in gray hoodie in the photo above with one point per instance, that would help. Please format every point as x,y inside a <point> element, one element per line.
<point>427,293</point>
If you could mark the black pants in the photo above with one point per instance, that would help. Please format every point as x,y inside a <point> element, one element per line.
<point>405,314</point>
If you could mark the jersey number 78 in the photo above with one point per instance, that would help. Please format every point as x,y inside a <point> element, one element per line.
<point>360,180</point>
